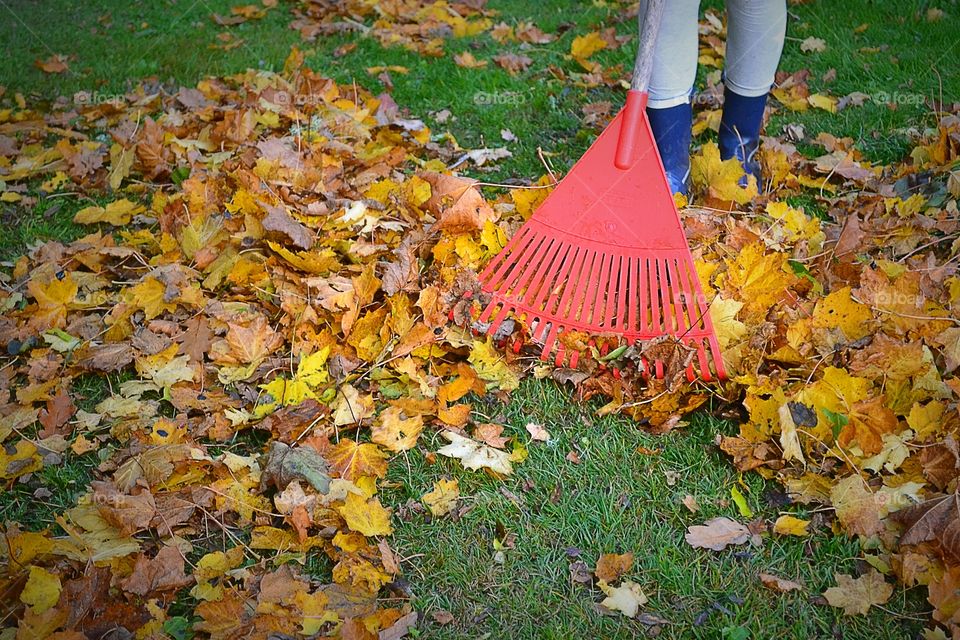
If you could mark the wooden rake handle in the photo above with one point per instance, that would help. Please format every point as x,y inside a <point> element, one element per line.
<point>633,111</point>
<point>649,23</point>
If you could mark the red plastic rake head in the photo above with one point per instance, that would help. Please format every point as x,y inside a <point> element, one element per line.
<point>606,252</point>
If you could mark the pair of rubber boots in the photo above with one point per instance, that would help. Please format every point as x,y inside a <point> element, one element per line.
<point>739,136</point>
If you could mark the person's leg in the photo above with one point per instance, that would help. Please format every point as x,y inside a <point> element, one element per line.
<point>755,34</point>
<point>671,84</point>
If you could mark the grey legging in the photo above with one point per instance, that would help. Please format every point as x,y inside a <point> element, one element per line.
<point>755,33</point>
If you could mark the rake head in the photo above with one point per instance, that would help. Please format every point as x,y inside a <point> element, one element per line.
<point>606,253</point>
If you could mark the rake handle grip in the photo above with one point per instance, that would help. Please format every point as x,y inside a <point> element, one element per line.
<point>634,109</point>
<point>649,23</point>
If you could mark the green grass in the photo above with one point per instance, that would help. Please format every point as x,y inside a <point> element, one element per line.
<point>616,499</point>
<point>59,485</point>
<point>51,218</point>
<point>915,64</point>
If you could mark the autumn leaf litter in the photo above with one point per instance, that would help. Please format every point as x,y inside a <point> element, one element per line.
<point>305,269</point>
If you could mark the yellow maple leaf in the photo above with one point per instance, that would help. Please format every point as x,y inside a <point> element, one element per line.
<point>926,419</point>
<point>526,200</point>
<point>839,310</point>
<point>150,295</point>
<point>366,516</point>
<point>313,368</point>
<point>282,392</point>
<point>758,278</point>
<point>763,409</point>
<point>394,432</point>
<point>274,539</point>
<point>18,460</point>
<point>585,46</point>
<point>476,455</point>
<point>42,590</point>
<point>351,460</point>
<point>117,213</point>
<point>795,224</point>
<point>320,261</point>
<point>316,612</point>
<point>217,563</point>
<point>720,177</point>
<point>359,574</point>
<point>791,526</point>
<point>443,498</point>
<point>53,299</point>
<point>491,367</point>
<point>793,97</point>
<point>166,368</point>
<point>836,392</point>
<point>820,101</point>
<point>723,313</point>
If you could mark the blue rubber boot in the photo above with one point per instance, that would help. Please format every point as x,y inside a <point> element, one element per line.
<point>672,131</point>
<point>740,130</point>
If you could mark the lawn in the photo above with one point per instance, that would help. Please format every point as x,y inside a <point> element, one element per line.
<point>503,567</point>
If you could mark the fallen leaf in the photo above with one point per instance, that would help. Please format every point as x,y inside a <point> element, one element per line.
<point>538,433</point>
<point>162,573</point>
<point>56,63</point>
<point>856,596</point>
<point>813,44</point>
<point>778,584</point>
<point>475,455</point>
<point>716,534</point>
<point>42,590</point>
<point>366,516</point>
<point>611,567</point>
<point>787,525</point>
<point>626,598</point>
<point>443,498</point>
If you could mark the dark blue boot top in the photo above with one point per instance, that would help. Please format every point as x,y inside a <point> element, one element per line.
<point>740,130</point>
<point>672,131</point>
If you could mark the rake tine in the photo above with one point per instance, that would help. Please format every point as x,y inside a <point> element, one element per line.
<point>521,284</point>
<point>636,303</point>
<point>704,361</point>
<point>550,340</point>
<point>677,296</point>
<point>595,312</point>
<point>610,310</point>
<point>574,359</point>
<point>656,316</point>
<point>576,295</point>
<point>623,286</point>
<point>536,297</point>
<point>510,258</point>
<point>489,310</point>
<point>593,280</point>
<point>690,296</point>
<point>576,267</point>
<point>498,320</point>
<point>561,355</point>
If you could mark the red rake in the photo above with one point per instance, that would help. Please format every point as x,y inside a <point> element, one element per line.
<point>606,251</point>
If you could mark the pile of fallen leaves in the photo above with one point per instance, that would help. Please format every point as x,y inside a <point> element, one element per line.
<point>291,273</point>
<point>278,258</point>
